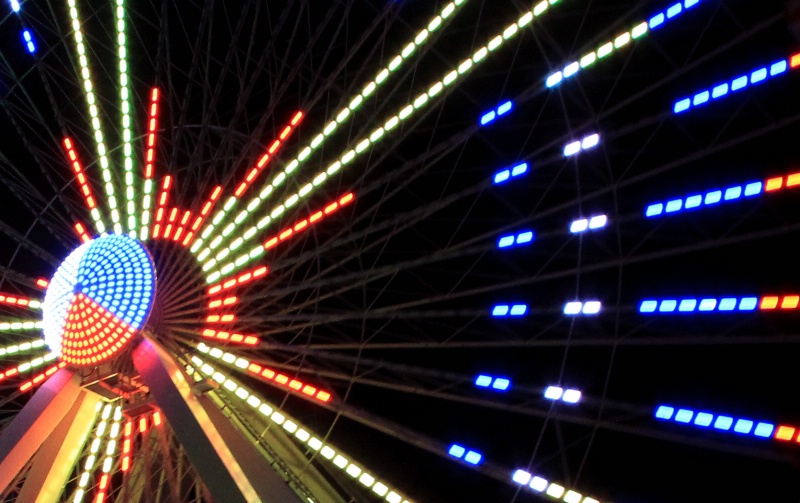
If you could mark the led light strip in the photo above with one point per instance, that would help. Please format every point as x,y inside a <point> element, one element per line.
<point>513,310</point>
<point>719,422</point>
<point>21,348</point>
<point>517,239</point>
<point>551,489</point>
<point>219,335</point>
<point>307,222</point>
<point>108,461</point>
<point>28,365</point>
<point>713,197</point>
<point>241,279</point>
<point>588,224</point>
<point>362,145</point>
<point>40,378</point>
<point>720,91</point>
<point>588,142</point>
<point>127,447</point>
<point>94,448</point>
<point>464,454</point>
<point>149,160</point>
<point>724,304</point>
<point>91,101</point>
<point>496,383</point>
<point>28,39</point>
<point>81,230</point>
<point>620,41</point>
<point>578,307</point>
<point>301,434</point>
<point>341,117</point>
<point>504,175</point>
<point>182,225</point>
<point>42,283</point>
<point>492,115</point>
<point>13,300</point>
<point>21,325</point>
<point>569,395</point>
<point>265,372</point>
<point>161,205</point>
<point>203,214</point>
<point>125,109</point>
<point>86,188</point>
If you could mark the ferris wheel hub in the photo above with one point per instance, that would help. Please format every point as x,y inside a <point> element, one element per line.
<point>99,298</point>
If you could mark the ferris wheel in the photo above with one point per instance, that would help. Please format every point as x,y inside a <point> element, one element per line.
<point>365,250</point>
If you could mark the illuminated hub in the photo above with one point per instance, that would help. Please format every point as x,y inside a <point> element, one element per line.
<point>99,297</point>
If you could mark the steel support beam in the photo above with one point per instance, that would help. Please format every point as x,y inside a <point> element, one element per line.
<point>57,456</point>
<point>20,440</point>
<point>212,458</point>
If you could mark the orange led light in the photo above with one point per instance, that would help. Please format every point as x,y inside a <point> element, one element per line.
<point>239,280</point>
<point>770,302</point>
<point>790,302</point>
<point>304,224</point>
<point>794,60</point>
<point>785,433</point>
<point>773,184</point>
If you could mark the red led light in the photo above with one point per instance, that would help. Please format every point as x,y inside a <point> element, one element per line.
<point>43,283</point>
<point>77,167</point>
<point>203,213</point>
<point>794,60</point>
<point>239,280</point>
<point>152,128</point>
<point>156,418</point>
<point>142,425</point>
<point>262,162</point>
<point>785,433</point>
<point>81,230</point>
<point>304,224</point>
<point>14,300</point>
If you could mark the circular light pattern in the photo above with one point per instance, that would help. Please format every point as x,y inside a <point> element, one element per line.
<point>99,296</point>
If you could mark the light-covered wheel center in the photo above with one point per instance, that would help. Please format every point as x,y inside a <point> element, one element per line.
<point>98,298</point>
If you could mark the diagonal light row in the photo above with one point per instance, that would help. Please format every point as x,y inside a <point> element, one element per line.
<point>419,103</point>
<point>340,117</point>
<point>125,116</point>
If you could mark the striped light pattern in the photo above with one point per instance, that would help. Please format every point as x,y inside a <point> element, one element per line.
<point>588,142</point>
<point>14,326</point>
<point>100,432</point>
<point>499,111</point>
<point>555,491</point>
<point>204,211</point>
<point>588,224</point>
<point>724,89</point>
<point>239,280</point>
<point>125,116</point>
<point>127,447</point>
<point>81,230</point>
<point>28,365</point>
<point>220,335</point>
<point>505,175</point>
<point>108,460</point>
<point>86,188</point>
<point>268,374</point>
<point>307,222</point>
<point>21,348</point>
<point>622,40</point>
<point>517,239</point>
<point>149,162</point>
<point>300,433</point>
<point>419,103</point>
<point>492,382</point>
<point>568,395</point>
<point>341,117</point>
<point>722,423</point>
<point>514,310</point>
<point>467,455</point>
<point>41,377</point>
<point>91,101</point>
<point>582,307</point>
<point>161,205</point>
<point>14,300</point>
<point>720,304</point>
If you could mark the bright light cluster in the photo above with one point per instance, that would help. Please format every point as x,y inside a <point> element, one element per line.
<point>422,100</point>
<point>568,395</point>
<point>620,41</point>
<point>495,383</point>
<point>499,111</point>
<point>13,300</point>
<point>582,307</point>
<point>20,348</point>
<point>520,238</point>
<point>28,365</point>
<point>94,113</point>
<point>724,89</point>
<point>267,373</point>
<point>588,142</point>
<point>504,175</point>
<point>99,296</point>
<point>551,489</point>
<point>503,310</point>
<point>590,224</point>
<point>719,422</point>
<point>341,117</point>
<point>14,5</point>
<point>708,198</point>
<point>468,455</point>
<point>13,326</point>
<point>723,304</point>
<point>300,433</point>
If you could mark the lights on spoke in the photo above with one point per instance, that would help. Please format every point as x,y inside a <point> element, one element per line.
<point>588,142</point>
<point>722,423</point>
<point>513,310</point>
<point>505,175</point>
<point>518,239</point>
<point>491,382</point>
<point>582,307</point>
<point>688,305</point>
<point>464,454</point>
<point>499,111</point>
<point>590,224</point>
<point>568,395</point>
<point>543,486</point>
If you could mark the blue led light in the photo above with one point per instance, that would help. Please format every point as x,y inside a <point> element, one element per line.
<point>473,457</point>
<point>28,39</point>
<point>743,426</point>
<point>654,210</point>
<point>648,306</point>
<point>524,237</point>
<point>521,238</point>
<point>506,174</point>
<point>732,193</point>
<point>712,197</point>
<point>674,205</point>
<point>500,310</point>
<point>505,241</point>
<point>518,309</point>
<point>687,305</point>
<point>723,423</point>
<point>707,304</point>
<point>456,451</point>
<point>667,306</point>
<point>483,381</point>
<point>501,384</point>
<point>693,201</point>
<point>703,419</point>
<point>674,10</point>
<point>501,110</point>
<point>753,189</point>
<point>684,415</point>
<point>764,430</point>
<point>459,452</point>
<point>727,304</point>
<point>748,303</point>
<point>656,20</point>
<point>14,5</point>
<point>720,90</point>
<point>664,412</point>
